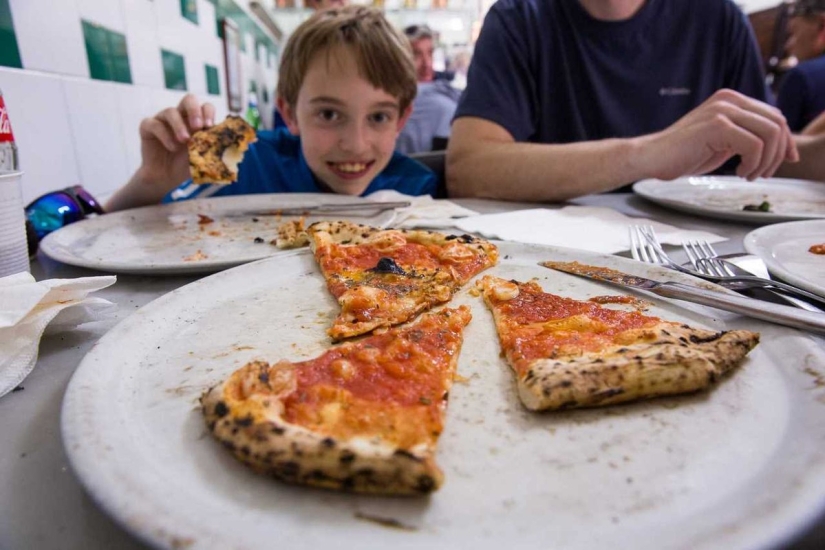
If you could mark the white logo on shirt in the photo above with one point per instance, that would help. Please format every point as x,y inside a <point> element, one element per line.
<point>674,91</point>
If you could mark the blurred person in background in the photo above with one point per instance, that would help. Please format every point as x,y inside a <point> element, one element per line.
<point>802,92</point>
<point>324,4</point>
<point>428,128</point>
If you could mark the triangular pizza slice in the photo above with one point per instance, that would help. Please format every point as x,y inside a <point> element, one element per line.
<point>568,353</point>
<point>364,416</point>
<point>384,277</point>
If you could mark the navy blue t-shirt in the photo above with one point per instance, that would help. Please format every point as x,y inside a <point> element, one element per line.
<point>276,164</point>
<point>548,72</point>
<point>802,94</point>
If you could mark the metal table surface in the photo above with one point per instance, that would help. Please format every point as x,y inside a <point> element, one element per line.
<point>44,506</point>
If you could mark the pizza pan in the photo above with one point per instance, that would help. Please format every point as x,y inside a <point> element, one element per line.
<point>740,466</point>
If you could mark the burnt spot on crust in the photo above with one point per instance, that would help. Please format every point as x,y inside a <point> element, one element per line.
<point>346,457</point>
<point>704,340</point>
<point>387,265</point>
<point>425,484</point>
<point>289,469</point>
<point>221,409</point>
<point>328,442</point>
<point>245,421</point>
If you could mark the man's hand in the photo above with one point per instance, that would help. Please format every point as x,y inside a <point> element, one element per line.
<point>163,139</point>
<point>727,124</point>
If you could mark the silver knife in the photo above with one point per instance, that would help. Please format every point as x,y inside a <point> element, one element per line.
<point>775,313</point>
<point>323,209</point>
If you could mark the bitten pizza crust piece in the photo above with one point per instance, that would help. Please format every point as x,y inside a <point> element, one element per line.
<point>214,153</point>
<point>363,417</point>
<point>385,277</point>
<point>567,353</point>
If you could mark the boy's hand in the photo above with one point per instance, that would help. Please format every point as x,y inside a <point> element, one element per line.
<point>163,139</point>
<point>727,124</point>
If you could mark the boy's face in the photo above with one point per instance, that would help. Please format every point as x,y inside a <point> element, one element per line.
<point>347,126</point>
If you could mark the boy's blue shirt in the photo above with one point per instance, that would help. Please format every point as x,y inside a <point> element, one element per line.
<point>276,164</point>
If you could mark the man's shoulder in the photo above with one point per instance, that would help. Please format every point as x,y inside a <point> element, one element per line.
<point>811,66</point>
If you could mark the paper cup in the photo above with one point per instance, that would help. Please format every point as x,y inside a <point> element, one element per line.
<point>14,253</point>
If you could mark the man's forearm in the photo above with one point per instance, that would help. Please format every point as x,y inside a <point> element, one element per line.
<point>811,165</point>
<point>542,172</point>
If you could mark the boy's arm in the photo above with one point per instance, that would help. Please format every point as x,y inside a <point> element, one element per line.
<point>164,154</point>
<point>483,160</point>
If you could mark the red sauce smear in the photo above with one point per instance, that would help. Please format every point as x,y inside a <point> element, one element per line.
<point>817,249</point>
<point>390,382</point>
<point>525,338</point>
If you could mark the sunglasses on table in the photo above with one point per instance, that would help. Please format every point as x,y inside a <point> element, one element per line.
<point>50,212</point>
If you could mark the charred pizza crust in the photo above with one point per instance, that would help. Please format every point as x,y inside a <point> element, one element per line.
<point>292,234</point>
<point>589,359</point>
<point>362,417</point>
<point>384,277</point>
<point>214,153</point>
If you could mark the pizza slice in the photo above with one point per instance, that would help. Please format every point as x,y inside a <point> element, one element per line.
<point>364,416</point>
<point>385,277</point>
<point>567,353</point>
<point>214,153</point>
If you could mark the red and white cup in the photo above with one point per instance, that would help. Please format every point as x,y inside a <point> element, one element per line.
<point>14,253</point>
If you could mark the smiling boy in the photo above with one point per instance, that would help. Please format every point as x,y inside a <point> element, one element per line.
<point>345,89</point>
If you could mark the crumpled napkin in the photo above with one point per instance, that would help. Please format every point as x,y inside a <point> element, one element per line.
<point>27,307</point>
<point>592,228</point>
<point>424,211</point>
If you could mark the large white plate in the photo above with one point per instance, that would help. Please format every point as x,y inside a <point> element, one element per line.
<point>784,248</point>
<point>725,196</point>
<point>738,467</point>
<point>168,239</point>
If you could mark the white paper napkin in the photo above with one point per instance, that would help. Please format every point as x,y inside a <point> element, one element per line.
<point>27,307</point>
<point>584,227</point>
<point>424,211</point>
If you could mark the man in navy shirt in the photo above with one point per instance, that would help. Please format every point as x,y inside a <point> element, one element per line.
<point>802,94</point>
<point>570,97</point>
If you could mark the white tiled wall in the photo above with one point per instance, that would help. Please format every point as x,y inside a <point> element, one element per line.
<point>72,129</point>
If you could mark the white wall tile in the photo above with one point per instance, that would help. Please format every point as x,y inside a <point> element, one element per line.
<point>142,42</point>
<point>50,36</point>
<point>74,130</point>
<point>97,133</point>
<point>106,13</point>
<point>37,110</point>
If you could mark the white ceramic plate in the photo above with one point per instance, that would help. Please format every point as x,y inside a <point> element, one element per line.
<point>724,197</point>
<point>168,239</point>
<point>784,248</point>
<point>742,466</point>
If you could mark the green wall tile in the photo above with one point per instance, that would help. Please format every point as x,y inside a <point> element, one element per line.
<point>246,26</point>
<point>174,70</point>
<point>107,53</point>
<point>9,52</point>
<point>213,85</point>
<point>189,10</point>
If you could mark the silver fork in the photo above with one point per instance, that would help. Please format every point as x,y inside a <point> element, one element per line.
<point>704,258</point>
<point>645,247</point>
